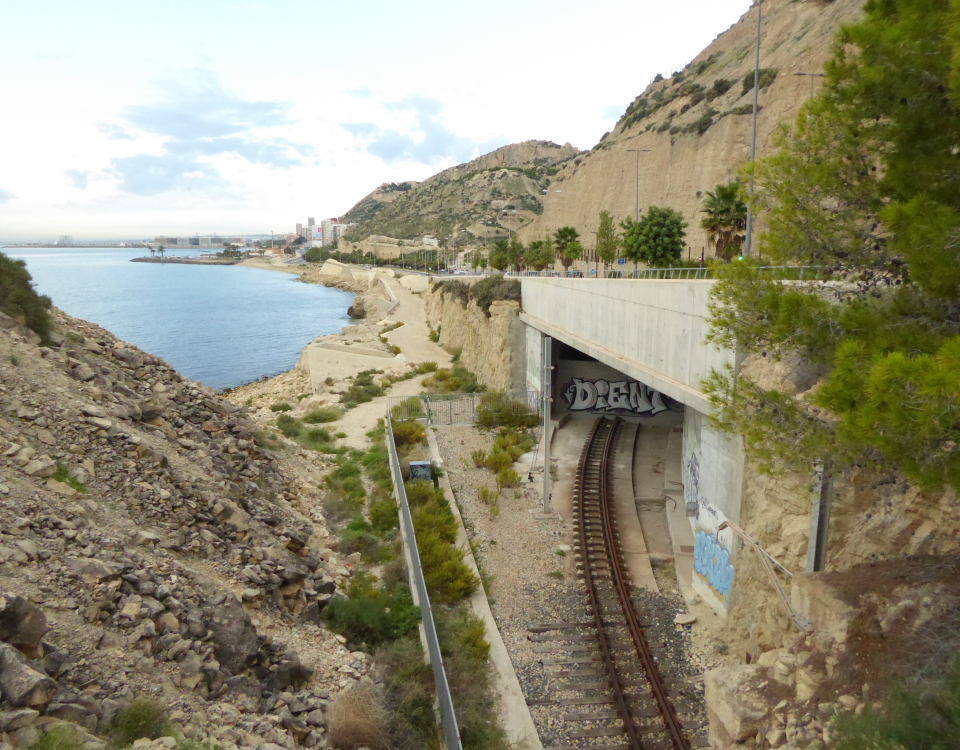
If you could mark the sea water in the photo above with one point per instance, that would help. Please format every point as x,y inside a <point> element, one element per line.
<point>221,325</point>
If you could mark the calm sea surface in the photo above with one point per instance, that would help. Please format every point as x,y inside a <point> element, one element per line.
<point>223,326</point>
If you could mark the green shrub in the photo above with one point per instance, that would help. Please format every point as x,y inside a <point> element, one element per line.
<point>499,460</point>
<point>494,289</point>
<point>288,425</point>
<point>408,434</point>
<point>435,336</point>
<point>409,408</point>
<point>315,439</point>
<point>767,76</point>
<point>496,412</point>
<point>438,518</point>
<point>350,404</point>
<point>144,717</point>
<point>448,578</point>
<point>486,495</point>
<point>362,389</point>
<point>19,299</point>
<point>359,536</point>
<point>322,415</point>
<point>339,434</point>
<point>62,737</point>
<point>424,367</point>
<point>507,478</point>
<point>371,617</point>
<point>479,458</point>
<point>384,516</point>
<point>280,406</point>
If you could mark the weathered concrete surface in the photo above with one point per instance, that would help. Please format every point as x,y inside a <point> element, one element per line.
<point>651,330</point>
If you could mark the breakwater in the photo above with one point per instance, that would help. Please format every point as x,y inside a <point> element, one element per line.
<point>189,261</point>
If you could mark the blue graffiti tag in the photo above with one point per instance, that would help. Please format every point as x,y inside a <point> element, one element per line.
<point>711,561</point>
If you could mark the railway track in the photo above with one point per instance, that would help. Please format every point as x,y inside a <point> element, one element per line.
<point>605,661</point>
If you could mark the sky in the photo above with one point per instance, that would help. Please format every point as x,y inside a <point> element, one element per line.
<point>134,119</point>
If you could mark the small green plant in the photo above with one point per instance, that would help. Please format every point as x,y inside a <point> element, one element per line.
<point>435,336</point>
<point>62,474</point>
<point>340,435</point>
<point>392,327</point>
<point>556,574</point>
<point>494,509</point>
<point>507,478</point>
<point>486,496</point>
<point>142,718</point>
<point>328,381</point>
<point>289,426</point>
<point>14,360</point>
<point>61,737</point>
<point>350,405</point>
<point>499,460</point>
<point>280,406</point>
<point>302,396</point>
<point>479,457</point>
<point>322,414</point>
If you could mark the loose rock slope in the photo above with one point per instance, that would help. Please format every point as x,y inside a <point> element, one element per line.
<point>151,546</point>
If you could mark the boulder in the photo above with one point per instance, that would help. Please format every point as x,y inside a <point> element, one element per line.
<point>42,466</point>
<point>20,684</point>
<point>288,673</point>
<point>233,636</point>
<point>11,721</point>
<point>94,571</point>
<point>22,624</point>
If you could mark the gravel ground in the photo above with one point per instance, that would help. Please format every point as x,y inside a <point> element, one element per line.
<point>532,582</point>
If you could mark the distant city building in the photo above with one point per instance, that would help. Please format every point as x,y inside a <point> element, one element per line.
<point>65,239</point>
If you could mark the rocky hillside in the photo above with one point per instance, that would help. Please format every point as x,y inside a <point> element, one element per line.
<point>697,123</point>
<point>504,188</point>
<point>151,546</point>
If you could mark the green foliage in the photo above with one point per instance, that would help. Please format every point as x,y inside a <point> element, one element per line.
<point>289,426</point>
<point>19,299</point>
<point>864,187</point>
<point>448,578</point>
<point>144,717</point>
<point>322,415</point>
<point>62,474</point>
<point>494,289</point>
<point>726,219</point>
<point>384,516</point>
<point>568,247</point>
<point>371,616</point>
<point>457,380</point>
<point>362,389</point>
<point>507,477</point>
<point>280,406</point>
<point>766,77</point>
<point>608,243</point>
<point>406,434</point>
<point>61,737</point>
<point>919,719</point>
<point>498,460</point>
<point>657,239</point>
<point>495,412</point>
<point>541,254</point>
<point>720,87</point>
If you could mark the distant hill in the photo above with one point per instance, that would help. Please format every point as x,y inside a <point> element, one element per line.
<point>503,189</point>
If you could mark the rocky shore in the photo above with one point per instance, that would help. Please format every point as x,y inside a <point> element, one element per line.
<point>154,544</point>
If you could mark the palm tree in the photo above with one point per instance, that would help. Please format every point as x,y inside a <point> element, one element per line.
<point>568,248</point>
<point>726,219</point>
<point>160,250</point>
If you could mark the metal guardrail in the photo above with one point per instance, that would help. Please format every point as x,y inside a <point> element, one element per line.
<point>786,273</point>
<point>448,717</point>
<point>461,408</point>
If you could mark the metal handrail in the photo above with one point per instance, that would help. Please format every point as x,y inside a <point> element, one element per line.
<point>418,585</point>
<point>702,273</point>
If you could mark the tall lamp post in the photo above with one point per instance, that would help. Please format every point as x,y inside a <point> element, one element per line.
<point>636,209</point>
<point>811,76</point>
<point>753,136</point>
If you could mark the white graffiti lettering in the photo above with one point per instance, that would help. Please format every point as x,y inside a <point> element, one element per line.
<point>621,396</point>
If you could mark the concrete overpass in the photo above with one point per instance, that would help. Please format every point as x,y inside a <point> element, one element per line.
<point>647,339</point>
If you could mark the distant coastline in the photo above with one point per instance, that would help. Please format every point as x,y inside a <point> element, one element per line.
<point>189,261</point>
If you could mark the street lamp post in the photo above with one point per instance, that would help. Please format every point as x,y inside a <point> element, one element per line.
<point>636,209</point>
<point>811,76</point>
<point>753,136</point>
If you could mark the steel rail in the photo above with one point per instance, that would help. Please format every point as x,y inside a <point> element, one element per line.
<point>595,458</point>
<point>606,652</point>
<point>620,579</point>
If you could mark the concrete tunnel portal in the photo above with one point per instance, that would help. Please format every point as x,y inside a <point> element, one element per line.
<point>686,474</point>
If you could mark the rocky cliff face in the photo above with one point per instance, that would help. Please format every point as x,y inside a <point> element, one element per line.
<point>151,545</point>
<point>503,188</point>
<point>697,124</point>
<point>489,346</point>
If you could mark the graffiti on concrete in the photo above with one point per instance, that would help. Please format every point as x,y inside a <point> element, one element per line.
<point>623,396</point>
<point>711,561</point>
<point>692,493</point>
